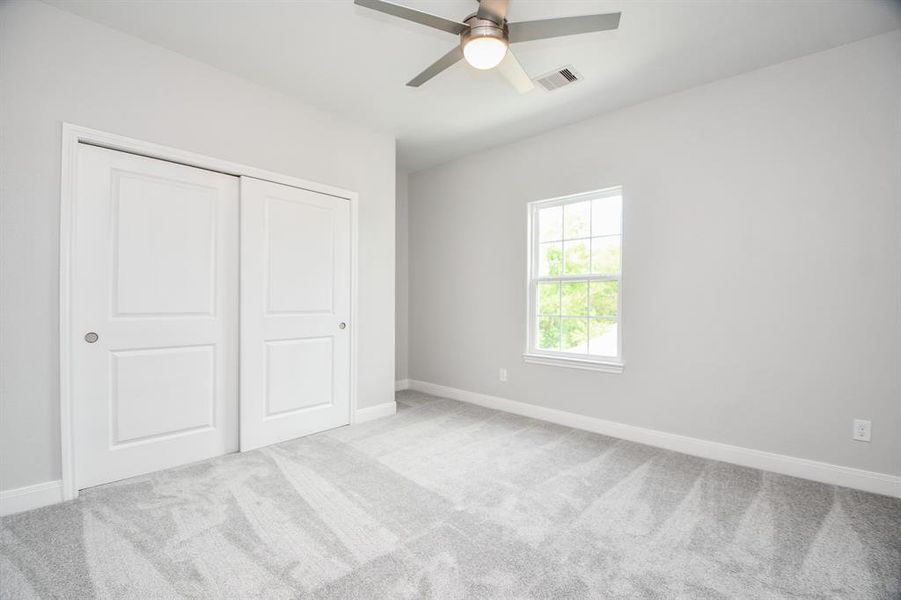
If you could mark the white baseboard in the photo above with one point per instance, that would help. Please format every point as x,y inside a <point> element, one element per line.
<point>370,413</point>
<point>401,384</point>
<point>29,497</point>
<point>869,481</point>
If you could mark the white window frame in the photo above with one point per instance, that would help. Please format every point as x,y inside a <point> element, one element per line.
<point>608,364</point>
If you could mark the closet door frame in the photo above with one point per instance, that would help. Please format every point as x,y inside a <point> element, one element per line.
<point>72,136</point>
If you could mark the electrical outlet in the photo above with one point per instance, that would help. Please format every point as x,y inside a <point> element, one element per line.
<point>502,374</point>
<point>861,430</point>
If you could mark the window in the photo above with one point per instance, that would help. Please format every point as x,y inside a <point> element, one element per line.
<point>575,276</point>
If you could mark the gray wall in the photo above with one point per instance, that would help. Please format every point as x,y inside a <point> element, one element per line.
<point>402,279</point>
<point>762,260</point>
<point>56,67</point>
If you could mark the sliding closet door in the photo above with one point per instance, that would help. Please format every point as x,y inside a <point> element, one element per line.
<point>154,315</point>
<point>295,310</point>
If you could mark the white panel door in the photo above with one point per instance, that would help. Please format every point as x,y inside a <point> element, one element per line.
<point>154,314</point>
<point>295,309</point>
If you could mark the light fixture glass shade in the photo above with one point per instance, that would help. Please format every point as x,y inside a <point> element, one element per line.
<point>484,52</point>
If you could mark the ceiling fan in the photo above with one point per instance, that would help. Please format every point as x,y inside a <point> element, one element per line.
<point>485,36</point>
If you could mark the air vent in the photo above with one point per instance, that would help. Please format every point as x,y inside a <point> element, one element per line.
<point>558,78</point>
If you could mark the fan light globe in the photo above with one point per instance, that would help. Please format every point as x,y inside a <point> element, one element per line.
<point>484,52</point>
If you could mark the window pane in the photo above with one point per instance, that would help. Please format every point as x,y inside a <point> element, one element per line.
<point>550,259</point>
<point>575,298</point>
<point>548,333</point>
<point>576,257</point>
<point>603,298</point>
<point>550,224</point>
<point>576,220</point>
<point>606,254</point>
<point>603,337</point>
<point>549,298</point>
<point>607,216</point>
<point>575,335</point>
<point>575,243</point>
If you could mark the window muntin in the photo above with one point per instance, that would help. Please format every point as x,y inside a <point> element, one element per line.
<point>575,277</point>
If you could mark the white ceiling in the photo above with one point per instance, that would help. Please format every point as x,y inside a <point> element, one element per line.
<point>355,62</point>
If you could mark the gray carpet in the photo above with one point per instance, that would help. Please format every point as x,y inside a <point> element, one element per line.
<point>449,500</point>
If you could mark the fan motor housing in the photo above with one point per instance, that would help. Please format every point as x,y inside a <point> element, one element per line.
<point>479,28</point>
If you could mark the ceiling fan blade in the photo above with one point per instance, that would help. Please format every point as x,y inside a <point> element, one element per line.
<point>416,16</point>
<point>515,74</point>
<point>493,10</point>
<point>527,31</point>
<point>436,67</point>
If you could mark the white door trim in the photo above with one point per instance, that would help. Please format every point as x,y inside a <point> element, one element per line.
<point>72,135</point>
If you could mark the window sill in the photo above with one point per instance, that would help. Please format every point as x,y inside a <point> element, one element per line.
<point>604,366</point>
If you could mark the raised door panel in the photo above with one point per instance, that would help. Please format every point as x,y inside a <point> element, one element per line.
<point>299,257</point>
<point>164,246</point>
<point>160,392</point>
<point>298,375</point>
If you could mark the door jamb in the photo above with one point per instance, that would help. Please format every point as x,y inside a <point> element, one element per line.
<point>72,136</point>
